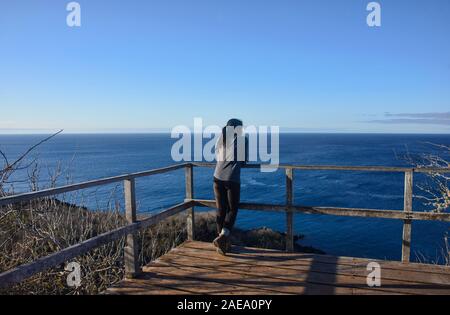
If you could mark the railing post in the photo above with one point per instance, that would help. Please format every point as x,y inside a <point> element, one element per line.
<point>289,212</point>
<point>190,224</point>
<point>131,255</point>
<point>407,207</point>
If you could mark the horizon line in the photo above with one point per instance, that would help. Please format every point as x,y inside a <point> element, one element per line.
<point>47,132</point>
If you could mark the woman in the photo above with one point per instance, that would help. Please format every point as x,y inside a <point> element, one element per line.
<point>231,154</point>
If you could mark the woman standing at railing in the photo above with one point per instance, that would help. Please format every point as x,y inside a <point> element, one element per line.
<point>231,154</point>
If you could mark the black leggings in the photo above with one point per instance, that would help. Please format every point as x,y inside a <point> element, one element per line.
<point>227,195</point>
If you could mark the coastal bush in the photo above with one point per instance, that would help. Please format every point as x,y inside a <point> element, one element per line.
<point>435,192</point>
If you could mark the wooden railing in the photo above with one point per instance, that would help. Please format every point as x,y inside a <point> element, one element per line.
<point>407,215</point>
<point>132,267</point>
<point>131,261</point>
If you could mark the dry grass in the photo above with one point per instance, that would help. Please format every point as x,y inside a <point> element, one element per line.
<point>45,226</point>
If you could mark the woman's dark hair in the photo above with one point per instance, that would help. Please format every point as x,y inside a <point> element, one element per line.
<point>233,122</point>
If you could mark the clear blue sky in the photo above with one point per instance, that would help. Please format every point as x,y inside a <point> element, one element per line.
<point>311,65</point>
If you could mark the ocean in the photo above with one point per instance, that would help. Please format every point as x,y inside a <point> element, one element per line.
<point>89,156</point>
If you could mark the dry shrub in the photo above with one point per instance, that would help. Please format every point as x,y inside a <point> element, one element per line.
<point>435,191</point>
<point>44,226</point>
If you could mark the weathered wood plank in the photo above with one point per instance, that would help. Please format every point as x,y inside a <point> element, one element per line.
<point>289,212</point>
<point>93,183</point>
<point>139,287</point>
<point>190,224</point>
<point>156,218</point>
<point>342,168</point>
<point>200,280</point>
<point>351,212</point>
<point>156,282</point>
<point>131,254</point>
<point>242,280</point>
<point>406,236</point>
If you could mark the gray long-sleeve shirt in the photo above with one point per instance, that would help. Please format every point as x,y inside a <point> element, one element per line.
<point>230,161</point>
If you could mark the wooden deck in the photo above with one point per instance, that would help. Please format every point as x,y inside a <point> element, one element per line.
<point>196,268</point>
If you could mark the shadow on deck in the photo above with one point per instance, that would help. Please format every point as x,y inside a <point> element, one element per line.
<point>196,268</point>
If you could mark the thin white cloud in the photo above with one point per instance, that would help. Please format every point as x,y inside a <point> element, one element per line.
<point>415,118</point>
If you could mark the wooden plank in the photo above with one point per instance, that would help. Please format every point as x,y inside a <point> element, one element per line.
<point>406,235</point>
<point>242,280</point>
<point>190,224</point>
<point>350,212</point>
<point>93,183</point>
<point>155,282</point>
<point>289,212</point>
<point>131,254</point>
<point>342,168</point>
<point>138,287</point>
<point>195,283</point>
<point>156,218</point>
<point>24,271</point>
<point>276,257</point>
<point>183,287</point>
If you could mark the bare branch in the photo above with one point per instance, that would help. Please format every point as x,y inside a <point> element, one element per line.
<point>17,161</point>
<point>10,168</point>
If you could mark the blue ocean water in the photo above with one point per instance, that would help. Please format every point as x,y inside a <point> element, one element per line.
<point>86,157</point>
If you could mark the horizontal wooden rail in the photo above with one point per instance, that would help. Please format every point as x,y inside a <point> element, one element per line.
<point>41,264</point>
<point>350,212</point>
<point>104,181</point>
<point>93,183</point>
<point>340,168</point>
